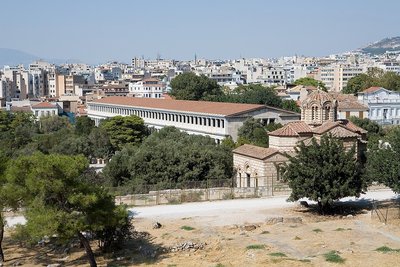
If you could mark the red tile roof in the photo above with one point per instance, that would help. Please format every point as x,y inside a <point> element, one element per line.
<point>341,132</point>
<point>225,109</point>
<point>346,101</point>
<point>352,127</point>
<point>298,128</point>
<point>44,105</point>
<point>371,89</point>
<point>255,151</point>
<point>295,128</point>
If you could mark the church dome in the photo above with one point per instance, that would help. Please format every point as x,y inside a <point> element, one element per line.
<point>317,97</point>
<point>318,107</point>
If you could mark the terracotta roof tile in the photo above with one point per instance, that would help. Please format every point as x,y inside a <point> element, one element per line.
<point>326,126</point>
<point>352,127</point>
<point>371,89</point>
<point>346,101</point>
<point>44,105</point>
<point>295,128</point>
<point>21,109</point>
<point>342,132</point>
<point>255,151</point>
<point>225,109</point>
<point>317,96</point>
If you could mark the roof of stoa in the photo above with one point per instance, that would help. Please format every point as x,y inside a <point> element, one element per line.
<point>206,107</point>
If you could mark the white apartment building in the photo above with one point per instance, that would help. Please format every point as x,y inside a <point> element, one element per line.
<point>222,75</point>
<point>336,76</point>
<point>383,104</point>
<point>147,88</point>
<point>390,66</point>
<point>268,75</point>
<point>214,119</point>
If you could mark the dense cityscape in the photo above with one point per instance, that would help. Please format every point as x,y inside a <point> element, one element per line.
<point>216,160</point>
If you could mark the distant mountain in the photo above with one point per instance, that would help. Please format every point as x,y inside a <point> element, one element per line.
<point>380,47</point>
<point>13,57</point>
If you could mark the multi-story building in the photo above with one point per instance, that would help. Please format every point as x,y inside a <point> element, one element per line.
<point>336,76</point>
<point>148,88</point>
<point>214,119</point>
<point>268,75</point>
<point>383,104</point>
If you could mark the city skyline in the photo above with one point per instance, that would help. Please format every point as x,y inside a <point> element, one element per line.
<point>100,31</point>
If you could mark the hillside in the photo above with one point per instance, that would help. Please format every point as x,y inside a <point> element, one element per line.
<point>380,47</point>
<point>13,57</point>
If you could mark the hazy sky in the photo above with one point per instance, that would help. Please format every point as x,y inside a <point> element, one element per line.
<point>96,31</point>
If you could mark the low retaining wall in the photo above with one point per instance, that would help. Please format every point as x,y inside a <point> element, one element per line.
<point>175,196</point>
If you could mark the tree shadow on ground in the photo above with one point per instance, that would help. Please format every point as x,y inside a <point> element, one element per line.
<point>141,249</point>
<point>350,207</point>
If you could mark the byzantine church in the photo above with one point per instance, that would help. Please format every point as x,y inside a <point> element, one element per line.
<point>259,166</point>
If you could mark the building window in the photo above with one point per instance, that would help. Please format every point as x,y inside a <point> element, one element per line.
<point>327,112</point>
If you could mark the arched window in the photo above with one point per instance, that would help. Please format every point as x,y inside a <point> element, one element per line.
<point>327,113</point>
<point>312,113</point>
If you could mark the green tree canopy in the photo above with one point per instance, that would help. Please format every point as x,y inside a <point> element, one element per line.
<point>117,170</point>
<point>125,130</point>
<point>291,105</point>
<point>170,159</point>
<point>57,201</point>
<point>359,83</point>
<point>253,132</point>
<point>308,81</point>
<point>383,163</point>
<point>49,124</point>
<point>368,125</point>
<point>4,200</point>
<point>16,130</point>
<point>373,77</point>
<point>189,86</point>
<point>253,94</point>
<point>84,125</point>
<point>324,172</point>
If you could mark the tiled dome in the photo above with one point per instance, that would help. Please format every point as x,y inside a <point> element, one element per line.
<point>318,97</point>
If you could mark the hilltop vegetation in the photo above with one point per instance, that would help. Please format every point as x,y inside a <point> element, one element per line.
<point>380,47</point>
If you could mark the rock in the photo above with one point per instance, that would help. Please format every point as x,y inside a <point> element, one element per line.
<point>249,227</point>
<point>157,225</point>
<point>120,258</point>
<point>293,220</point>
<point>349,216</point>
<point>274,220</point>
<point>304,204</point>
<point>233,227</point>
<point>187,246</point>
<point>17,263</point>
<point>54,265</point>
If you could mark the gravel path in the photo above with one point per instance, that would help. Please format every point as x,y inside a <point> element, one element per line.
<point>227,212</point>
